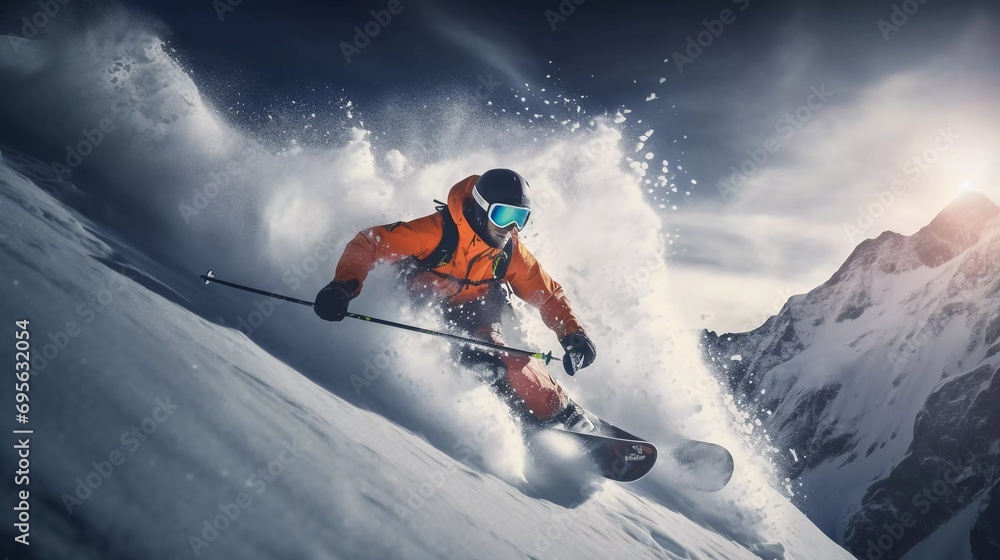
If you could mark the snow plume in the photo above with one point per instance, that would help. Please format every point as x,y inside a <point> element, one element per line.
<point>182,187</point>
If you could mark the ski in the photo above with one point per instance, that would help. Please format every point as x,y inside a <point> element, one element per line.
<point>621,460</point>
<point>624,457</point>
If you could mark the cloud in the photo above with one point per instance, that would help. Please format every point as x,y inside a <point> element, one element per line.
<point>886,153</point>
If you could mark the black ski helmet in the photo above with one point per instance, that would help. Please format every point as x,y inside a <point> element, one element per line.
<point>501,186</point>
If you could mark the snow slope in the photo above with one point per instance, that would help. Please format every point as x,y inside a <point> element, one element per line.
<point>345,483</point>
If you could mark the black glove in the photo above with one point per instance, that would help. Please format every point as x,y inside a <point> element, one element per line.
<point>332,300</point>
<point>580,352</point>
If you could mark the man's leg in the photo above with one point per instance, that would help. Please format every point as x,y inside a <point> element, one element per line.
<point>470,319</point>
<point>524,385</point>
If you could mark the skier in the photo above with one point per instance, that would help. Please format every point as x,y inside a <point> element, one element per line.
<point>463,259</point>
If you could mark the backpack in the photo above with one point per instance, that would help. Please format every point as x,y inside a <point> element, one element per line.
<point>445,250</point>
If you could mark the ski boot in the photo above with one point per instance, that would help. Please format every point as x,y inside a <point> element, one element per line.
<point>574,419</point>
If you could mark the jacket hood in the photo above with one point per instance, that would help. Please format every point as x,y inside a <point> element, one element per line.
<point>456,197</point>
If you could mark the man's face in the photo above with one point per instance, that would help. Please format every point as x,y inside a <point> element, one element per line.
<point>498,235</point>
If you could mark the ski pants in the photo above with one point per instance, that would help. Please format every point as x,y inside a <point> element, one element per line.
<point>522,382</point>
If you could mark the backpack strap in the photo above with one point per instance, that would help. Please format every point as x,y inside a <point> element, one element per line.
<point>445,250</point>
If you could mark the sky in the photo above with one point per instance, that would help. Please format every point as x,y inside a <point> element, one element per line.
<point>793,130</point>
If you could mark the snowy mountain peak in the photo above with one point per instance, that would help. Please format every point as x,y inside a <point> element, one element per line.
<point>956,228</point>
<point>969,204</point>
<point>867,386</point>
<point>866,253</point>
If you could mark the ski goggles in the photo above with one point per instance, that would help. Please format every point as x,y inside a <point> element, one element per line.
<point>503,215</point>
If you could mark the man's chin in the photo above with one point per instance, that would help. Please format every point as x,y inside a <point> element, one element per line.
<point>498,242</point>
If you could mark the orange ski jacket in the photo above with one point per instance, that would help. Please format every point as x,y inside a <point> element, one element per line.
<point>468,275</point>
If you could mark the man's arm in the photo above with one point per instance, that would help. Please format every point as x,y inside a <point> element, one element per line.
<point>387,244</point>
<point>532,284</point>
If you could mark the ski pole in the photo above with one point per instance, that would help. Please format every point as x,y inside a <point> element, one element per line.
<point>546,357</point>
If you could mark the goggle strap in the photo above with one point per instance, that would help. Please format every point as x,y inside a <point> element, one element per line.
<point>479,199</point>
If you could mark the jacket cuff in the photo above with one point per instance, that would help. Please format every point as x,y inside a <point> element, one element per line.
<point>567,328</point>
<point>352,285</point>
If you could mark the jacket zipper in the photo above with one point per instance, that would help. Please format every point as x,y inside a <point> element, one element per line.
<point>468,270</point>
